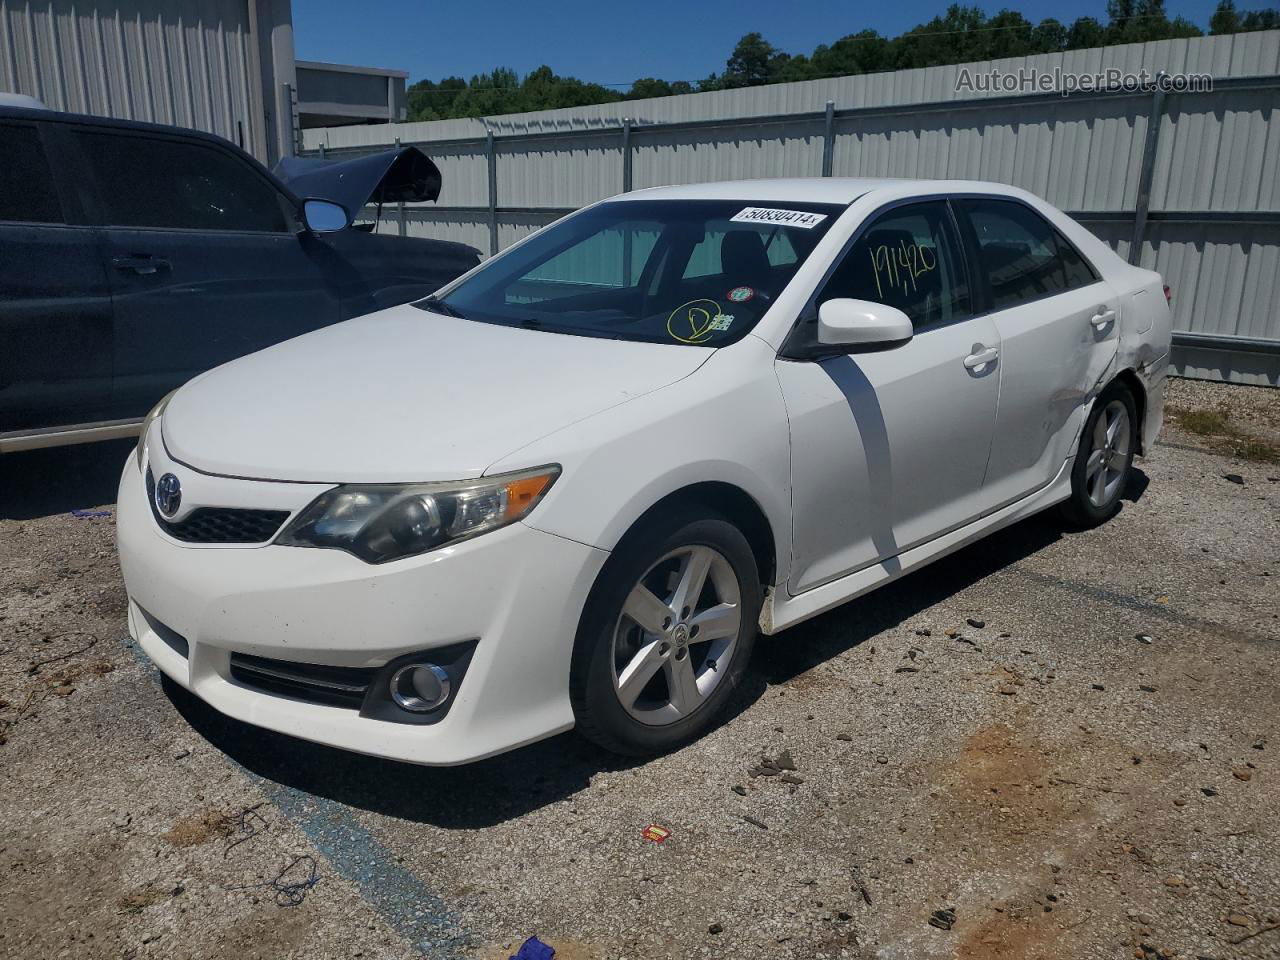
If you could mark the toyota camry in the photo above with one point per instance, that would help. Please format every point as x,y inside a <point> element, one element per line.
<point>573,487</point>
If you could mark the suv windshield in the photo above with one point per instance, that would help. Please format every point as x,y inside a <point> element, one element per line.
<point>698,272</point>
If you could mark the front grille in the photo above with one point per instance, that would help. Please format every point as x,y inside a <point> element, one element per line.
<point>331,686</point>
<point>219,524</point>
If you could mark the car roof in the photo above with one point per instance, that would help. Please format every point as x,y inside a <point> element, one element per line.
<point>47,115</point>
<point>841,190</point>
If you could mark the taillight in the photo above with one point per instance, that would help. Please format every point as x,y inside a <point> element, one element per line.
<point>1168,295</point>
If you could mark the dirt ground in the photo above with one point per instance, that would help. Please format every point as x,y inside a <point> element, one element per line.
<point>1087,768</point>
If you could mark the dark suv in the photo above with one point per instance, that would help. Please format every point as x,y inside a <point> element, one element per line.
<point>134,256</point>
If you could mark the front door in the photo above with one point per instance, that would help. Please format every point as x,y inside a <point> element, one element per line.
<point>55,306</point>
<point>1058,323</point>
<point>204,260</point>
<point>889,448</point>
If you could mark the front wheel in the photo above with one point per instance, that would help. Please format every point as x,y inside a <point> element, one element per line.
<point>1103,462</point>
<point>666,636</point>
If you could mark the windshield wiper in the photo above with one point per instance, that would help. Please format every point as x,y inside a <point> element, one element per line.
<point>437,305</point>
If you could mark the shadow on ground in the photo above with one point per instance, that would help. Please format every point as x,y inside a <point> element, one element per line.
<point>45,482</point>
<point>38,483</point>
<point>507,786</point>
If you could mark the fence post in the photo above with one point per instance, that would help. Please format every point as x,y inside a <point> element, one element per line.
<point>1147,171</point>
<point>828,139</point>
<point>492,158</point>
<point>399,206</point>
<point>626,154</point>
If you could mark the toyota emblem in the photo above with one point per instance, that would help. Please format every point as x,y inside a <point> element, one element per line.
<point>168,495</point>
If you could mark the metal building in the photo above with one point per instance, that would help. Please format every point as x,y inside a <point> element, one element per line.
<point>224,66</point>
<point>1187,183</point>
<point>333,94</point>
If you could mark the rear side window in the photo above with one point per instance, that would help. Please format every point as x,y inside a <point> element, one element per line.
<point>1023,256</point>
<point>26,183</point>
<point>146,182</point>
<point>907,258</point>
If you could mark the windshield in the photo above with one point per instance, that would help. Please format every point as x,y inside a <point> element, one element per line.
<point>695,272</point>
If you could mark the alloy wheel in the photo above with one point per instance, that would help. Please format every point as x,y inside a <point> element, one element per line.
<point>676,635</point>
<point>1108,462</point>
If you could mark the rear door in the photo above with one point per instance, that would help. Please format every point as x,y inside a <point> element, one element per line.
<point>889,447</point>
<point>1058,324</point>
<point>55,306</point>
<point>204,259</point>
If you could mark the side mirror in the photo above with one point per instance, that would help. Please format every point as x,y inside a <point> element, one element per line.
<point>861,323</point>
<point>324,216</point>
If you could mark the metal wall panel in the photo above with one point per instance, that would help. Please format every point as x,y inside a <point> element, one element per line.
<point>560,172</point>
<point>792,149</point>
<point>186,63</point>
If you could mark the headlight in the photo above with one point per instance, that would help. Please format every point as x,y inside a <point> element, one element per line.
<point>381,522</point>
<point>146,427</point>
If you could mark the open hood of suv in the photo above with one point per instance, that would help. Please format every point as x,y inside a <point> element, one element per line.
<point>405,395</point>
<point>393,176</point>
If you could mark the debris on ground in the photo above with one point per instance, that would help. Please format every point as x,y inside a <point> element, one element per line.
<point>943,919</point>
<point>197,829</point>
<point>754,822</point>
<point>655,833</point>
<point>773,766</point>
<point>292,884</point>
<point>533,949</point>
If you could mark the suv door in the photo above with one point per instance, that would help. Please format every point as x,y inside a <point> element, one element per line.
<point>55,307</point>
<point>889,447</point>
<point>204,259</point>
<point>1058,324</point>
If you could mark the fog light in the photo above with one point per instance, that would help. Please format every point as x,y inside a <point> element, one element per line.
<point>420,687</point>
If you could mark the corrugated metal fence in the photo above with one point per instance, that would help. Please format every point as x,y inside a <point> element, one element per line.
<point>206,64</point>
<point>1194,194</point>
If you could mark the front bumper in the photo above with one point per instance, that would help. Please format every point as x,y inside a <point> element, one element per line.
<point>518,592</point>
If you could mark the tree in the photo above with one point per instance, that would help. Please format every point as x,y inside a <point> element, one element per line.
<point>648,87</point>
<point>1261,20</point>
<point>748,65</point>
<point>961,34</point>
<point>1049,36</point>
<point>1224,19</point>
<point>1086,32</point>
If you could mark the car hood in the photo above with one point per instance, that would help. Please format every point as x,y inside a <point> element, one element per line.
<point>405,174</point>
<point>405,395</point>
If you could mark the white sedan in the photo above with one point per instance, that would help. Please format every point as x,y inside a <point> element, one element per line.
<point>573,487</point>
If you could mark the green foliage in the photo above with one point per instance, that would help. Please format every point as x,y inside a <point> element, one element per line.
<point>962,34</point>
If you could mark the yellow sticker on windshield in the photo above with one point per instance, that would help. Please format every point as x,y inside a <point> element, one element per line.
<point>695,321</point>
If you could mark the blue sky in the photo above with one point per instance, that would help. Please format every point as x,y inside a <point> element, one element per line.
<point>614,42</point>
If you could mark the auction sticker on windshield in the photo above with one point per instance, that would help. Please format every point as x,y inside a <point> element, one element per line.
<point>787,218</point>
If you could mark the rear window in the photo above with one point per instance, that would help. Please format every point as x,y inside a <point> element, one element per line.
<point>26,183</point>
<point>1024,257</point>
<point>155,182</point>
<point>692,272</point>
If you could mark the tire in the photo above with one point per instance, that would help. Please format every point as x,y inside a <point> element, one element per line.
<point>630,682</point>
<point>1104,459</point>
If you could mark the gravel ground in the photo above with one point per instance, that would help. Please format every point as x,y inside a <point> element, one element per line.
<point>1066,788</point>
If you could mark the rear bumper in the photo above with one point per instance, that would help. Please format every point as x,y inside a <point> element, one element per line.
<point>1154,376</point>
<point>518,592</point>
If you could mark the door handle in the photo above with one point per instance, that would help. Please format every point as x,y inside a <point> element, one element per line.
<point>142,264</point>
<point>980,356</point>
<point>1102,317</point>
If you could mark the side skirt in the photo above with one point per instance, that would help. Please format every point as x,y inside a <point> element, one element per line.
<point>780,612</point>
